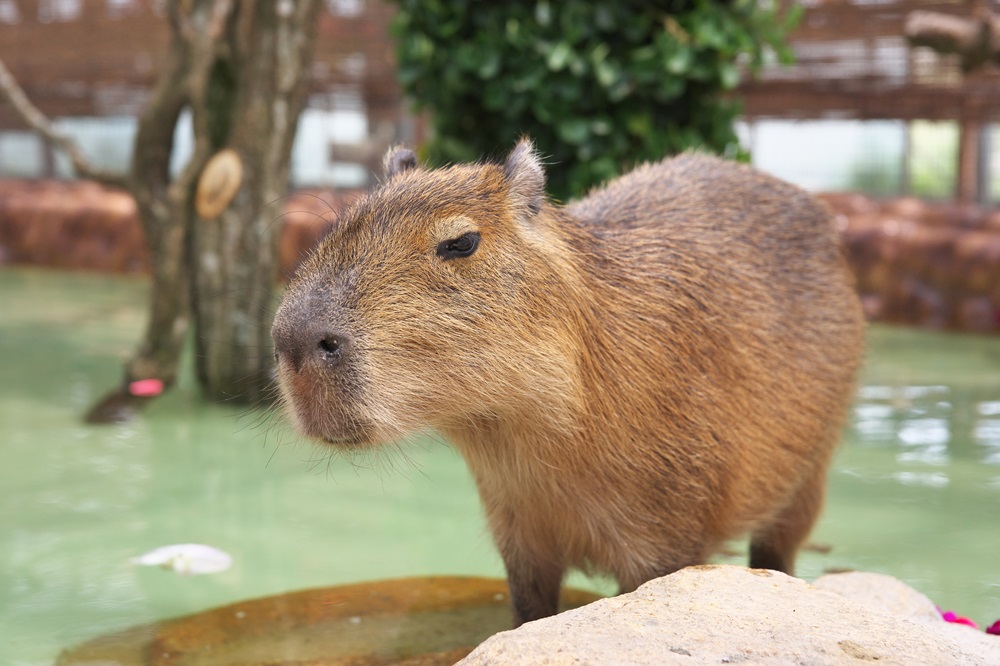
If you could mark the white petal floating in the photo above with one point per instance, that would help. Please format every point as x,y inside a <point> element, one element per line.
<point>187,559</point>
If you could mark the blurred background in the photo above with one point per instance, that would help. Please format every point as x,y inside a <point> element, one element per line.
<point>889,110</point>
<point>855,109</point>
<point>879,117</point>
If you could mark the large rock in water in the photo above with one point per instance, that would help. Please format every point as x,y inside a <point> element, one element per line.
<point>427,621</point>
<point>733,615</point>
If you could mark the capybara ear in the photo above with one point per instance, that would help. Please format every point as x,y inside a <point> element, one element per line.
<point>397,160</point>
<point>526,177</point>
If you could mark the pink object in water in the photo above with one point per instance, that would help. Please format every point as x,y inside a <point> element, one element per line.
<point>994,628</point>
<point>146,388</point>
<point>950,616</point>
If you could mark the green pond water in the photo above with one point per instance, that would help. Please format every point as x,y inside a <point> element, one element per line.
<point>915,491</point>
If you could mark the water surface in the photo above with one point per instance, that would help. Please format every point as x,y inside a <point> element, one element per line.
<point>915,492</point>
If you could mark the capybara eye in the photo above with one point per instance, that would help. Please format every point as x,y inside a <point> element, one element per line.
<point>456,248</point>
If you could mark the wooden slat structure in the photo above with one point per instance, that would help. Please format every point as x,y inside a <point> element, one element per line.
<point>99,58</point>
<point>853,62</point>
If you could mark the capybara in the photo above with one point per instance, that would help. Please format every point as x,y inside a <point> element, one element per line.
<point>633,379</point>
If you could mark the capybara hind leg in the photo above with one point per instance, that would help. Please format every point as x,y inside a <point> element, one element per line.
<point>774,546</point>
<point>534,589</point>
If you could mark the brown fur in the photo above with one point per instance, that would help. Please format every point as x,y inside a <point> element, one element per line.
<point>634,379</point>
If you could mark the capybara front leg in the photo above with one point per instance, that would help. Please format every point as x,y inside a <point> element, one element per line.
<point>534,588</point>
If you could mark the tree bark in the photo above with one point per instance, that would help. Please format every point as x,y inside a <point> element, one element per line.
<point>162,216</point>
<point>264,78</point>
<point>165,202</point>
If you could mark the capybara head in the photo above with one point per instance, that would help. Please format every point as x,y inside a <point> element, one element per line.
<point>431,304</point>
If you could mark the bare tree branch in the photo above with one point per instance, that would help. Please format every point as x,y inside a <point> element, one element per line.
<point>13,93</point>
<point>205,41</point>
<point>975,39</point>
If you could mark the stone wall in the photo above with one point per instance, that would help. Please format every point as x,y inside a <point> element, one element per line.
<point>732,615</point>
<point>930,265</point>
<point>80,225</point>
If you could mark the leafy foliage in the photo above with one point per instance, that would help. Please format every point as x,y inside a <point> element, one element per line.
<point>599,85</point>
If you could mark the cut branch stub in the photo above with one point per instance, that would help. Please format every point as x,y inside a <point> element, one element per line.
<point>218,184</point>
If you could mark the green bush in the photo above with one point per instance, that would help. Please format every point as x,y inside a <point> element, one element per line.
<point>599,85</point>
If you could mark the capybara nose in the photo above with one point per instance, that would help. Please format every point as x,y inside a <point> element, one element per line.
<point>306,344</point>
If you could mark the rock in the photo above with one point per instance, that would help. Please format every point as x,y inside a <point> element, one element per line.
<point>82,225</point>
<point>729,614</point>
<point>908,207</point>
<point>880,591</point>
<point>851,203</point>
<point>978,314</point>
<point>427,621</point>
<point>926,264</point>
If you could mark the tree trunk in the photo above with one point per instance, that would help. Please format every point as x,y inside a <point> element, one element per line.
<point>258,88</point>
<point>165,203</point>
<point>241,68</point>
<point>163,220</point>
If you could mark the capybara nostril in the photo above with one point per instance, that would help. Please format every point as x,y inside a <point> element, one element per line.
<point>301,343</point>
<point>331,348</point>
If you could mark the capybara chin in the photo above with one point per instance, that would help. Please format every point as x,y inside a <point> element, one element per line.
<point>633,379</point>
